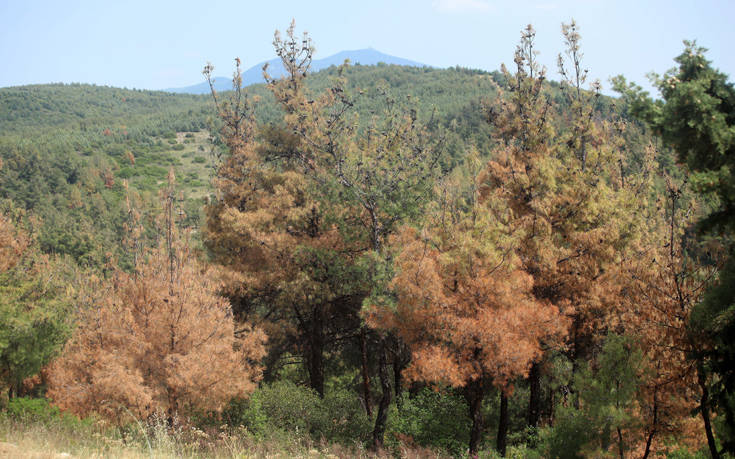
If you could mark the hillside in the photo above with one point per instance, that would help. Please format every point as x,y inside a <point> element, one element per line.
<point>67,149</point>
<point>83,106</point>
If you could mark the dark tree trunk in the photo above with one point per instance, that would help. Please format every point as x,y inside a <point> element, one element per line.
<point>576,355</point>
<point>365,371</point>
<point>398,380</point>
<point>315,357</point>
<point>173,406</point>
<point>401,360</point>
<point>704,410</point>
<point>503,424</point>
<point>475,393</point>
<point>382,417</point>
<point>652,433</point>
<point>534,399</point>
<point>548,411</point>
<point>621,444</point>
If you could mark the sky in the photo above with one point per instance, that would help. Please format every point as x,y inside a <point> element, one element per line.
<point>151,44</point>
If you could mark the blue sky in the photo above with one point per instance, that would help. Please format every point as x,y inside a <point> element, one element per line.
<point>158,44</point>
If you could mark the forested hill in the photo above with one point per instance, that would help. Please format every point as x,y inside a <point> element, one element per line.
<point>83,107</point>
<point>67,148</point>
<point>80,106</point>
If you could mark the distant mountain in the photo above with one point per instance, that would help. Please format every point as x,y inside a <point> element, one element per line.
<point>254,74</point>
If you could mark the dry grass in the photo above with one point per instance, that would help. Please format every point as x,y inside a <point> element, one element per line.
<point>156,440</point>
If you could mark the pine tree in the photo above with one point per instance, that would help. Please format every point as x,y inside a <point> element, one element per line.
<point>696,116</point>
<point>668,278</point>
<point>158,340</point>
<point>557,175</point>
<point>371,174</point>
<point>34,303</point>
<point>463,305</point>
<point>287,264</point>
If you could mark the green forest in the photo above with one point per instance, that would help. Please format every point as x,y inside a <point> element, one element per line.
<point>372,261</point>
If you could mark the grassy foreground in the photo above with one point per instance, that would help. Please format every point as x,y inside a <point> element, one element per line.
<point>66,439</point>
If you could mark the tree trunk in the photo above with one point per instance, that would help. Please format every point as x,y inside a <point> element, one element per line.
<point>534,399</point>
<point>365,371</point>
<point>575,361</point>
<point>475,393</point>
<point>651,434</point>
<point>315,358</point>
<point>548,411</point>
<point>384,404</point>
<point>503,424</point>
<point>704,410</point>
<point>621,445</point>
<point>173,406</point>
<point>398,381</point>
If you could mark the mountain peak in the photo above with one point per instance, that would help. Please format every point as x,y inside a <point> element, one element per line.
<point>254,75</point>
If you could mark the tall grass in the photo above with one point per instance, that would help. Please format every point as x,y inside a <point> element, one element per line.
<point>24,438</point>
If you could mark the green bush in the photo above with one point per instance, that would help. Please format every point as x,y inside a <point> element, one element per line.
<point>607,392</point>
<point>683,453</point>
<point>199,160</point>
<point>345,418</point>
<point>567,439</point>
<point>283,405</point>
<point>178,147</point>
<point>35,409</point>
<point>39,410</point>
<point>127,172</point>
<point>433,419</point>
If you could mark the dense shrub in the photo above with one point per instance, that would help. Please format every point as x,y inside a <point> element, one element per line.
<point>36,409</point>
<point>283,405</point>
<point>433,419</point>
<point>567,439</point>
<point>39,410</point>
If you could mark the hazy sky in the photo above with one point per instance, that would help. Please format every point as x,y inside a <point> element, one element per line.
<point>159,44</point>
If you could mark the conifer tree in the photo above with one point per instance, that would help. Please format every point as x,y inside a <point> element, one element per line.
<point>696,116</point>
<point>371,174</point>
<point>34,303</point>
<point>668,278</point>
<point>287,265</point>
<point>557,174</point>
<point>158,340</point>
<point>463,305</point>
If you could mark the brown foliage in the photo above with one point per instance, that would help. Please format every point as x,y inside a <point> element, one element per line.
<point>268,228</point>
<point>464,306</point>
<point>557,182</point>
<point>666,280</point>
<point>13,243</point>
<point>157,340</point>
